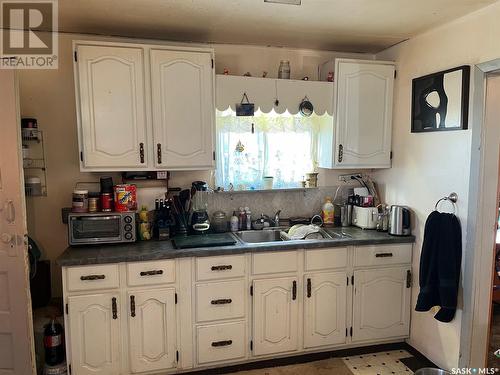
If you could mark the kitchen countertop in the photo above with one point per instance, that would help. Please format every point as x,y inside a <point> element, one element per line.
<point>154,250</point>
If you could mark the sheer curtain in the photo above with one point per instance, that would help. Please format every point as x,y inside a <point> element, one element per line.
<point>283,146</point>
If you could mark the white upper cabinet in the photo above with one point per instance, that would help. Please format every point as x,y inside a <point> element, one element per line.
<point>110,88</point>
<point>144,107</point>
<point>183,109</point>
<point>362,116</point>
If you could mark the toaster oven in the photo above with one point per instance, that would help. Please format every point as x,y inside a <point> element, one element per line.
<point>101,227</point>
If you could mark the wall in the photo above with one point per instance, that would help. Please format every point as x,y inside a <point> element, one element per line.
<point>48,95</point>
<point>429,166</point>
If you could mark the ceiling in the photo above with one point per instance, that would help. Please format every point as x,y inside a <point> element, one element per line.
<point>338,25</point>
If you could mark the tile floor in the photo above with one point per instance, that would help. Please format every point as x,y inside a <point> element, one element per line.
<point>381,363</point>
<point>391,362</point>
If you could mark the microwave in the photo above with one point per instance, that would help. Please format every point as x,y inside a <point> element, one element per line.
<point>101,228</point>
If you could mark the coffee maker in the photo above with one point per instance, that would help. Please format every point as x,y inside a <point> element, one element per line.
<point>200,221</point>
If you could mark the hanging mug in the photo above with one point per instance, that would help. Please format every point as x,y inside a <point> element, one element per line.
<point>306,108</point>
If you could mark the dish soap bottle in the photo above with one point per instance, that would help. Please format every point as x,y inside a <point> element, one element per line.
<point>328,212</point>
<point>234,222</point>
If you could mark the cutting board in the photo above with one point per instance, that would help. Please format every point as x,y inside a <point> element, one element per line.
<point>203,240</point>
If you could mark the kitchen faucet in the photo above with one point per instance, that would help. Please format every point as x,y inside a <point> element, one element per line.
<point>277,218</point>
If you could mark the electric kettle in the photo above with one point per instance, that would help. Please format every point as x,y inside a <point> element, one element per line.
<point>399,221</point>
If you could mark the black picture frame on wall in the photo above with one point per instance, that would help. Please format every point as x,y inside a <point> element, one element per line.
<point>440,101</point>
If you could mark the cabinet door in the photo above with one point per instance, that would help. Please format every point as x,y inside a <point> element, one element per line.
<point>183,109</point>
<point>324,309</point>
<point>94,327</point>
<point>275,315</point>
<point>381,304</point>
<point>364,93</point>
<point>152,330</point>
<point>112,107</point>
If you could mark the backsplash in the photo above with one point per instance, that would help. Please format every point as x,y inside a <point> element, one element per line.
<point>307,202</point>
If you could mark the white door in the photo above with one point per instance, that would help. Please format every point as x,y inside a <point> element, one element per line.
<point>183,109</point>
<point>16,327</point>
<point>112,107</point>
<point>275,315</point>
<point>381,304</point>
<point>363,113</point>
<point>325,309</point>
<point>94,324</point>
<point>152,328</point>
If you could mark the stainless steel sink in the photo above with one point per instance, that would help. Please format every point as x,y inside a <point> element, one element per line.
<point>257,236</point>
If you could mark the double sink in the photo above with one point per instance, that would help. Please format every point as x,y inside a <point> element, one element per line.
<point>273,235</point>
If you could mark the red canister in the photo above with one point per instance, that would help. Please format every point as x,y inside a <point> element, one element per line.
<point>125,197</point>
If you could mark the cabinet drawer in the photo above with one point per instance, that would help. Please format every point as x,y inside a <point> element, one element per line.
<point>150,273</point>
<point>283,261</point>
<point>92,277</point>
<point>221,342</point>
<point>325,259</point>
<point>382,255</point>
<point>220,267</point>
<point>220,300</point>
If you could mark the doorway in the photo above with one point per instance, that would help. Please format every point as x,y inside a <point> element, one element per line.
<point>492,118</point>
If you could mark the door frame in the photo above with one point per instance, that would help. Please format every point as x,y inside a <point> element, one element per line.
<point>478,254</point>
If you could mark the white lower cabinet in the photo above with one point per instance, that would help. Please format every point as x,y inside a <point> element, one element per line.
<point>214,311</point>
<point>275,315</point>
<point>325,298</point>
<point>221,342</point>
<point>95,334</point>
<point>381,306</point>
<point>152,330</point>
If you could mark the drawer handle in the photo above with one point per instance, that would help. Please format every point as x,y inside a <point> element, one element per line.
<point>309,287</point>
<point>92,277</point>
<point>223,301</point>
<point>222,268</point>
<point>383,255</point>
<point>217,344</point>
<point>132,306</point>
<point>152,273</point>
<point>113,308</point>
<point>294,290</point>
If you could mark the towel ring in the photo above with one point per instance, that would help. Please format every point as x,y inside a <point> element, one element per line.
<point>453,198</point>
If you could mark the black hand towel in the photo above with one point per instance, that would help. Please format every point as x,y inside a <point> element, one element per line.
<point>440,264</point>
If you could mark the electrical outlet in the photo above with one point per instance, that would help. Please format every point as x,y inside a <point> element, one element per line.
<point>348,177</point>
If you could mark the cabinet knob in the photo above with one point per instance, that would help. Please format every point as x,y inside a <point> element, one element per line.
<point>216,344</point>
<point>92,277</point>
<point>151,273</point>
<point>294,290</point>
<point>141,152</point>
<point>132,306</point>
<point>341,153</point>
<point>158,152</point>
<point>114,308</point>
<point>222,267</point>
<point>309,287</point>
<point>222,301</point>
